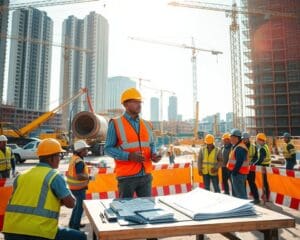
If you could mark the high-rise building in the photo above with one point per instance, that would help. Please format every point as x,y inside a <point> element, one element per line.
<point>84,61</point>
<point>30,62</point>
<point>116,86</point>
<point>3,35</point>
<point>154,109</point>
<point>172,108</point>
<point>272,57</point>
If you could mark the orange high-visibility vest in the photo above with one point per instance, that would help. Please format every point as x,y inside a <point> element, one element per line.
<point>232,160</point>
<point>131,141</point>
<point>72,177</point>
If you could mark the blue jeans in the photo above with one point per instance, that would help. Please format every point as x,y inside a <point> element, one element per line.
<point>239,185</point>
<point>78,209</point>
<point>290,163</point>
<point>215,181</point>
<point>62,234</point>
<point>141,185</point>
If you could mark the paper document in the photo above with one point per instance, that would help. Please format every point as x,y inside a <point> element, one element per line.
<point>201,204</point>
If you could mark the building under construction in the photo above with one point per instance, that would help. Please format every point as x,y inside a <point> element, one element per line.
<point>271,47</point>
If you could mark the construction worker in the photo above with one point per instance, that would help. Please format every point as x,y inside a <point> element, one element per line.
<point>7,159</point>
<point>225,150</point>
<point>33,209</point>
<point>209,162</point>
<point>289,152</point>
<point>171,155</point>
<point>130,142</point>
<point>252,154</point>
<point>263,159</point>
<point>238,164</point>
<point>78,179</point>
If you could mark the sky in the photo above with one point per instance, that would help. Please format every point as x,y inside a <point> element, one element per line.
<point>167,67</point>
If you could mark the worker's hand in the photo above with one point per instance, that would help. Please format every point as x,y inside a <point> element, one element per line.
<point>136,156</point>
<point>214,170</point>
<point>155,157</point>
<point>200,172</point>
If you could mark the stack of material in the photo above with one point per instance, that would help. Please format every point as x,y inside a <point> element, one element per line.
<point>201,204</point>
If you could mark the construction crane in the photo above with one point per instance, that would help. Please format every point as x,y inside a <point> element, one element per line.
<point>236,70</point>
<point>41,3</point>
<point>195,51</point>
<point>140,80</point>
<point>24,131</point>
<point>161,91</point>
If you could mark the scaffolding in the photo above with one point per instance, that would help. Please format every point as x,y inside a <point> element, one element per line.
<point>271,57</point>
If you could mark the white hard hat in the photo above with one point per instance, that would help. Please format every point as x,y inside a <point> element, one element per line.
<point>3,138</point>
<point>80,144</point>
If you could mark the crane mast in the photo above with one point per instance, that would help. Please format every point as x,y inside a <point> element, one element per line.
<point>235,49</point>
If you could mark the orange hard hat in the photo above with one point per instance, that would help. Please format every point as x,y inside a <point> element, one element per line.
<point>226,136</point>
<point>209,139</point>
<point>49,146</point>
<point>261,136</point>
<point>131,93</point>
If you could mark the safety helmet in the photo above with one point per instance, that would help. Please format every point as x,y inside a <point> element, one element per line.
<point>49,146</point>
<point>245,135</point>
<point>3,138</point>
<point>261,136</point>
<point>236,132</point>
<point>226,136</point>
<point>209,139</point>
<point>286,135</point>
<point>131,93</point>
<point>80,144</point>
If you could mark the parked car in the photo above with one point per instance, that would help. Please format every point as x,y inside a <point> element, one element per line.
<point>26,152</point>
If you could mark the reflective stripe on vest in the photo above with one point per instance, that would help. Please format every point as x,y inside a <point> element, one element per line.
<point>267,159</point>
<point>232,160</point>
<point>5,159</point>
<point>288,154</point>
<point>209,161</point>
<point>72,178</point>
<point>33,209</point>
<point>128,140</point>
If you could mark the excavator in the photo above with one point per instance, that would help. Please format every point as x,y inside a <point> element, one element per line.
<point>20,136</point>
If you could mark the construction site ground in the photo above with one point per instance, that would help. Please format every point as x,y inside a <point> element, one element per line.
<point>288,233</point>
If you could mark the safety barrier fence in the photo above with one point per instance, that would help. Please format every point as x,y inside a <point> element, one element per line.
<point>180,178</point>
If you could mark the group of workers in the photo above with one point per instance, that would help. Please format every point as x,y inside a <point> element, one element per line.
<point>38,193</point>
<point>235,158</point>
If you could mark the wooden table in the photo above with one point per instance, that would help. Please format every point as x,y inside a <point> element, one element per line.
<point>266,221</point>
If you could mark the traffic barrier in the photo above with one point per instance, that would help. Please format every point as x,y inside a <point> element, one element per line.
<point>180,178</point>
<point>167,179</point>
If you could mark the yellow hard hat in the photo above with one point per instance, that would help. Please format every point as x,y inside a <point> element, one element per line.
<point>131,93</point>
<point>261,136</point>
<point>209,139</point>
<point>49,146</point>
<point>226,136</point>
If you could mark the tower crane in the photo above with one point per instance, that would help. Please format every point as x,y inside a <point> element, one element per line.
<point>233,11</point>
<point>140,80</point>
<point>195,51</point>
<point>161,91</point>
<point>41,3</point>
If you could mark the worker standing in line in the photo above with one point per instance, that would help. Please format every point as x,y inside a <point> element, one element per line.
<point>238,164</point>
<point>225,150</point>
<point>33,209</point>
<point>7,159</point>
<point>78,179</point>
<point>171,155</point>
<point>252,153</point>
<point>289,151</point>
<point>130,142</point>
<point>209,162</point>
<point>264,160</point>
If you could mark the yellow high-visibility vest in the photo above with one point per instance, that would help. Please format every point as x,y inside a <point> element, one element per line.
<point>267,160</point>
<point>33,209</point>
<point>209,161</point>
<point>5,159</point>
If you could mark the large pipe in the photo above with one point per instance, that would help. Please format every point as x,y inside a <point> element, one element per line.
<point>88,125</point>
